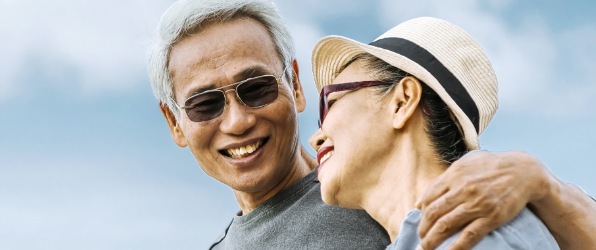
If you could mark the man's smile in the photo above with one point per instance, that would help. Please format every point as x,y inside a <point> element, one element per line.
<point>243,150</point>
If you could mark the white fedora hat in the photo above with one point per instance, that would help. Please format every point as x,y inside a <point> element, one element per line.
<point>437,52</point>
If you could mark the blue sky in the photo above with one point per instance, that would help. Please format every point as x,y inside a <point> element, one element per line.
<point>87,162</point>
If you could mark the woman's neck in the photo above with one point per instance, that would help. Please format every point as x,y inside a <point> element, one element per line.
<point>403,181</point>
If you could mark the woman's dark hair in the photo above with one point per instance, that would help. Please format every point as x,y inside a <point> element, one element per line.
<point>444,132</point>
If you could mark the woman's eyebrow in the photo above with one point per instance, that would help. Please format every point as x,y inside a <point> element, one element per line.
<point>337,95</point>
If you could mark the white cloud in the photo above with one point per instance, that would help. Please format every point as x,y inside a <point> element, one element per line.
<point>533,78</point>
<point>112,204</point>
<point>103,43</point>
<point>525,56</point>
<point>8,88</point>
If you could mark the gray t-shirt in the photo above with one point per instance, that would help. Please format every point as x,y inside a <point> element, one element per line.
<point>297,218</point>
<point>525,232</point>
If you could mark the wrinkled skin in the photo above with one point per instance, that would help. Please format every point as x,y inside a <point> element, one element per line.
<point>219,55</point>
<point>484,190</point>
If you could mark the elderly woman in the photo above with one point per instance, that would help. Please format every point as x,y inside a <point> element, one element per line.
<point>395,113</point>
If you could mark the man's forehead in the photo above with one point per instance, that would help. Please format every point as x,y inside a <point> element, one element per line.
<point>221,55</point>
<point>219,42</point>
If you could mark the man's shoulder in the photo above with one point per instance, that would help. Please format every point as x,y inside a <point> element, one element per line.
<point>525,231</point>
<point>221,237</point>
<point>300,219</point>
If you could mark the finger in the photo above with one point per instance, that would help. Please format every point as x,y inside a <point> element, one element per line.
<point>433,192</point>
<point>448,225</point>
<point>472,234</point>
<point>436,210</point>
<point>452,176</point>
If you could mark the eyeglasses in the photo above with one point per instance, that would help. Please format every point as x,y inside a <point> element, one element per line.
<point>253,92</point>
<point>324,103</point>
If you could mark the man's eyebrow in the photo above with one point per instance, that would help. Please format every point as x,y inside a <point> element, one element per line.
<point>242,75</point>
<point>252,72</point>
<point>200,89</point>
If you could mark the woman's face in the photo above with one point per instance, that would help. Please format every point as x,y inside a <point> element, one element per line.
<point>355,136</point>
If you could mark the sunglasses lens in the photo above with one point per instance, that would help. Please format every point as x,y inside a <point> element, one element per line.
<point>205,106</point>
<point>255,93</point>
<point>321,112</point>
<point>322,107</point>
<point>259,91</point>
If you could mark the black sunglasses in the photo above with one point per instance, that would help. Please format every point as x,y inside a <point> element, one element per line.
<point>253,92</point>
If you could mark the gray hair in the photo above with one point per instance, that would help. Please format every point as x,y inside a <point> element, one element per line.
<point>185,17</point>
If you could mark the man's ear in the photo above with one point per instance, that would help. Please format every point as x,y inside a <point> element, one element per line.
<point>297,88</point>
<point>404,100</point>
<point>175,129</point>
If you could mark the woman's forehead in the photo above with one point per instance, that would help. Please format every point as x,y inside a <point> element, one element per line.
<point>355,72</point>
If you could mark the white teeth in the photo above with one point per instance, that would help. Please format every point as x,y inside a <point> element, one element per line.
<point>326,156</point>
<point>244,150</point>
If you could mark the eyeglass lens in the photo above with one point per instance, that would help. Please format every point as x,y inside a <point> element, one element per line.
<point>324,95</point>
<point>256,92</point>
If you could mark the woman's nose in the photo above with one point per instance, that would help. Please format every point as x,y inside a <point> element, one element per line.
<point>317,139</point>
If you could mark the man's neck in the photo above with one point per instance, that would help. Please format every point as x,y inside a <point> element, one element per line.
<point>303,164</point>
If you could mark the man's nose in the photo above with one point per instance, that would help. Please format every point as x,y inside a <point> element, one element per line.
<point>238,118</point>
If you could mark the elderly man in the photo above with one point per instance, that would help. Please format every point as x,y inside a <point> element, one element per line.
<point>228,86</point>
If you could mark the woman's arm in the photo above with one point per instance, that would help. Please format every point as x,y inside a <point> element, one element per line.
<point>484,190</point>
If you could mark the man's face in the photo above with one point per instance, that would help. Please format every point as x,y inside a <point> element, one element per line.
<point>249,149</point>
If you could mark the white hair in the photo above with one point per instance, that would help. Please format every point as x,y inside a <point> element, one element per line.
<point>186,16</point>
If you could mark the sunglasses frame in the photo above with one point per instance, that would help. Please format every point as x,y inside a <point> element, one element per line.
<point>232,87</point>
<point>324,102</point>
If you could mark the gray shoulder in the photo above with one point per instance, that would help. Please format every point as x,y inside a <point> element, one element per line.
<point>525,231</point>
